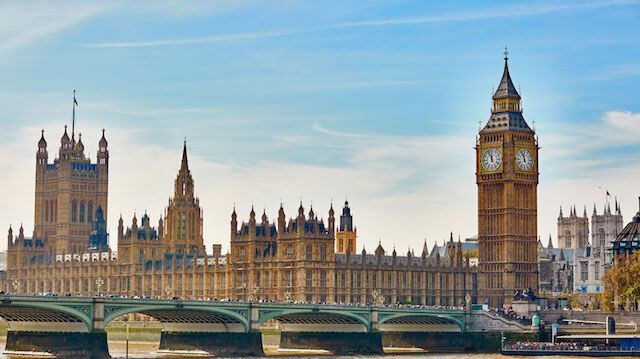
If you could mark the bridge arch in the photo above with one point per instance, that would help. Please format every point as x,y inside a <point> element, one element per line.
<point>184,314</point>
<point>422,318</point>
<point>320,317</point>
<point>78,317</point>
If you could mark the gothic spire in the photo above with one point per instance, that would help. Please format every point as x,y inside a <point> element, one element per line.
<point>506,88</point>
<point>184,166</point>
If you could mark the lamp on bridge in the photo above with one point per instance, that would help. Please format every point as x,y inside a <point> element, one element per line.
<point>16,285</point>
<point>168,291</point>
<point>99,284</point>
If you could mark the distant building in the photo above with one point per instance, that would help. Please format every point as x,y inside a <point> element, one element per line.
<point>555,268</point>
<point>593,261</point>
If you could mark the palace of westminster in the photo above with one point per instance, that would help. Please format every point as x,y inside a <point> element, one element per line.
<point>300,259</point>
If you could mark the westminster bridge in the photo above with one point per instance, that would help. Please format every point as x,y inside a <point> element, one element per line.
<point>230,328</point>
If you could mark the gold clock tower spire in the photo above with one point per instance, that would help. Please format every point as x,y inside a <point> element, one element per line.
<point>507,179</point>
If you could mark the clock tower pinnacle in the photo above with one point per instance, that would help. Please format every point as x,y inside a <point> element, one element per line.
<point>507,179</point>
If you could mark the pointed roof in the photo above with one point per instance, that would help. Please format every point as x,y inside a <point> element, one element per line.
<point>505,117</point>
<point>42,142</point>
<point>65,137</point>
<point>103,140</point>
<point>184,166</point>
<point>506,88</point>
<point>631,232</point>
<point>550,245</point>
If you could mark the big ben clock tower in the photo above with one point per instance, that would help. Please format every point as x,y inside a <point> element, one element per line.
<point>507,178</point>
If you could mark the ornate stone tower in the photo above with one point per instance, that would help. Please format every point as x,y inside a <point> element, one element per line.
<point>573,231</point>
<point>346,236</point>
<point>183,219</point>
<point>68,193</point>
<point>507,179</point>
<point>605,227</point>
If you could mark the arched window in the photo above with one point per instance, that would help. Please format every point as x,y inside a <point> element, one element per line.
<point>74,211</point>
<point>90,211</point>
<point>82,211</point>
<point>55,211</point>
<point>309,252</point>
<point>141,255</point>
<point>46,211</point>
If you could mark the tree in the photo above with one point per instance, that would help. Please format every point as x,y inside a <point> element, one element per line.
<point>622,284</point>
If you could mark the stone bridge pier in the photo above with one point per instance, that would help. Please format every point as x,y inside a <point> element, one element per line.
<point>341,333</point>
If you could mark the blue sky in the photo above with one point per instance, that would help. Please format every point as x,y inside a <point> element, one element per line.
<point>377,101</point>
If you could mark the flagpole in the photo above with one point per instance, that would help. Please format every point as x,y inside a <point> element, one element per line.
<point>73,117</point>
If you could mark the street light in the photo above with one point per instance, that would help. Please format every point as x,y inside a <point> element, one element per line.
<point>16,285</point>
<point>99,283</point>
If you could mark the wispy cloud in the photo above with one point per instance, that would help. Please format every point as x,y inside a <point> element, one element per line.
<point>514,11</point>
<point>24,23</point>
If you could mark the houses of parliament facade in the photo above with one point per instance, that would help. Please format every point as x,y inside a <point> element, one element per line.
<point>302,258</point>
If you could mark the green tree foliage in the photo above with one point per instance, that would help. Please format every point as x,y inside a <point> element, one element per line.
<point>622,285</point>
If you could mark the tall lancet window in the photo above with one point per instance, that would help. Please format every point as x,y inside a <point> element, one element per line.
<point>74,211</point>
<point>82,211</point>
<point>90,212</point>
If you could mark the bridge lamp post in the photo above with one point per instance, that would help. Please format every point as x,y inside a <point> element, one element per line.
<point>16,285</point>
<point>167,291</point>
<point>244,291</point>
<point>99,284</point>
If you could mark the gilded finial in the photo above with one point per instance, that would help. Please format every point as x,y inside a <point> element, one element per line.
<point>506,54</point>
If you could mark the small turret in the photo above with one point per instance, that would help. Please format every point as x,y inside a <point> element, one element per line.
<point>281,219</point>
<point>103,152</point>
<point>21,233</point>
<point>160,228</point>
<point>10,236</point>
<point>332,220</point>
<point>234,222</point>
<point>560,216</point>
<point>65,145</point>
<point>120,228</point>
<point>42,156</point>
<point>379,250</point>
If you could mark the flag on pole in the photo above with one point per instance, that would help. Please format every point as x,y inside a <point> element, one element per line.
<point>75,102</point>
<point>608,194</point>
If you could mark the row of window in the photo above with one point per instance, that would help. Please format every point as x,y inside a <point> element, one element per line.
<point>82,212</point>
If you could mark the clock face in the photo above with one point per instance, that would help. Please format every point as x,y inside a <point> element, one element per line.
<point>524,159</point>
<point>491,159</point>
